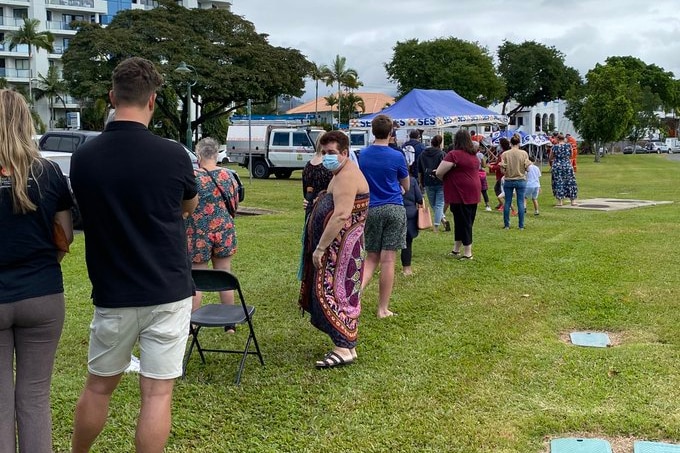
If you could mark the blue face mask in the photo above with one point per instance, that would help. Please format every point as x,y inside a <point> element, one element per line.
<point>330,161</point>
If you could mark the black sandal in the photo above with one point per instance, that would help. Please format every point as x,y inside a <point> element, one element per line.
<point>454,253</point>
<point>332,360</point>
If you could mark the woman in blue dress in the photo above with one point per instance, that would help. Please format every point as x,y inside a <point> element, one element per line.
<point>563,178</point>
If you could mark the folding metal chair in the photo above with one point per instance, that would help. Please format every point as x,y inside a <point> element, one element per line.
<point>221,315</point>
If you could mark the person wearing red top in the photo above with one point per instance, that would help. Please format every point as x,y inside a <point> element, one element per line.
<point>460,172</point>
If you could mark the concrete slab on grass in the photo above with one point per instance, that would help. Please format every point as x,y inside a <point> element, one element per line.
<point>575,445</point>
<point>654,447</point>
<point>611,204</point>
<point>590,339</point>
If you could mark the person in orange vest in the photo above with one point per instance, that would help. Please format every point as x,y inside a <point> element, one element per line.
<point>574,150</point>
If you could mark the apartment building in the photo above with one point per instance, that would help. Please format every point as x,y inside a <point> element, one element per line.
<point>55,16</point>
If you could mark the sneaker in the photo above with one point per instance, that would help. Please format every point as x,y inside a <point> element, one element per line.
<point>447,224</point>
<point>535,212</point>
<point>499,209</point>
<point>513,213</point>
<point>488,208</point>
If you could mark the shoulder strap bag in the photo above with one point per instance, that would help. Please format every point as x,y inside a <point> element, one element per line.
<point>230,207</point>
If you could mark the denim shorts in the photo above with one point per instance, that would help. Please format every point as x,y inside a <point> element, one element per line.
<point>385,228</point>
<point>162,331</point>
<point>532,192</point>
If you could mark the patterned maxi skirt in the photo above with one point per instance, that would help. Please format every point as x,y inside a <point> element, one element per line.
<point>331,294</point>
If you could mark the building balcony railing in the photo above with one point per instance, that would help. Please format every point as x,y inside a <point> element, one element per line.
<point>11,73</point>
<point>54,25</point>
<point>77,3</point>
<point>10,21</point>
<point>20,49</point>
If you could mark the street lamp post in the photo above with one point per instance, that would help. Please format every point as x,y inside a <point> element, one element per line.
<point>186,69</point>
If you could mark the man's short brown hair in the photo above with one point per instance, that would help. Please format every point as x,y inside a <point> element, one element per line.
<point>338,137</point>
<point>381,126</point>
<point>134,80</point>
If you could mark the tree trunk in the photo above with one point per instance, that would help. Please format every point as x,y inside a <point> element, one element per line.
<point>597,151</point>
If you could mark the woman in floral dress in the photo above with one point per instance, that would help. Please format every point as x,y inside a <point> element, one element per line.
<point>210,229</point>
<point>563,179</point>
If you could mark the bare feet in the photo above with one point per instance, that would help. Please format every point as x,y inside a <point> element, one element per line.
<point>385,314</point>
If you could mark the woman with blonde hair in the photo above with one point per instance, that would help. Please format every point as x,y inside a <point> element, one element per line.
<point>35,201</point>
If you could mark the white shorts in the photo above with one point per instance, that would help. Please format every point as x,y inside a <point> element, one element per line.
<point>162,331</point>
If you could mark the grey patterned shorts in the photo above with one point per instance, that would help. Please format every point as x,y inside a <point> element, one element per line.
<point>385,228</point>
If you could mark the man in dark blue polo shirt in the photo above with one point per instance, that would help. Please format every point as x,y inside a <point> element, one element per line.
<point>133,189</point>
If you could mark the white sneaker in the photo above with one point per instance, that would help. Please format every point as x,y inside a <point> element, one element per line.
<point>488,208</point>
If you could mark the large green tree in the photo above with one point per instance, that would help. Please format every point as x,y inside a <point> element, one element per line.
<point>338,73</point>
<point>602,110</point>
<point>533,73</point>
<point>29,35</point>
<point>233,63</point>
<point>445,64</point>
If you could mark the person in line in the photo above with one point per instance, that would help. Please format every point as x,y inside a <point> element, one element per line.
<point>34,198</point>
<point>495,167</point>
<point>427,164</point>
<point>533,184</point>
<point>574,150</point>
<point>413,149</point>
<point>137,260</point>
<point>460,172</point>
<point>412,198</point>
<point>388,178</point>
<point>563,177</point>
<point>333,254</point>
<point>482,173</point>
<point>514,164</point>
<point>315,178</point>
<point>211,232</point>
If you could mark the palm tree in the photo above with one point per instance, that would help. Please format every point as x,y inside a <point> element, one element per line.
<point>353,104</point>
<point>53,88</point>
<point>332,100</point>
<point>316,75</point>
<point>339,73</point>
<point>28,34</point>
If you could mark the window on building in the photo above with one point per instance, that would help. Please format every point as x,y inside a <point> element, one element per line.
<point>19,14</point>
<point>67,41</point>
<point>21,64</point>
<point>49,15</point>
<point>538,122</point>
<point>520,121</point>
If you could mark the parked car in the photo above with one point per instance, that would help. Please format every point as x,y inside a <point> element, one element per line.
<point>657,147</point>
<point>638,150</point>
<point>65,141</point>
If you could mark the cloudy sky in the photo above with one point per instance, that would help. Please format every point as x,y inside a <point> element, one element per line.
<point>366,31</point>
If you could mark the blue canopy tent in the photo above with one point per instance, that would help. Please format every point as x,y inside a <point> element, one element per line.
<point>434,109</point>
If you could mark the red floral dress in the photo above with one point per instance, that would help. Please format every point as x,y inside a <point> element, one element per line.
<point>210,229</point>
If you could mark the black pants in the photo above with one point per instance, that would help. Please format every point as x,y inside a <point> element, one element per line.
<point>407,253</point>
<point>463,219</point>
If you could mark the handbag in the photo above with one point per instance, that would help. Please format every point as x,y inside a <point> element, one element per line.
<point>424,219</point>
<point>230,208</point>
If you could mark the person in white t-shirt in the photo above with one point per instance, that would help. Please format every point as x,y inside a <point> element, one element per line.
<point>533,184</point>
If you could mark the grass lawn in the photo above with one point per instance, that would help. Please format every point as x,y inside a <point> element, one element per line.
<point>475,361</point>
